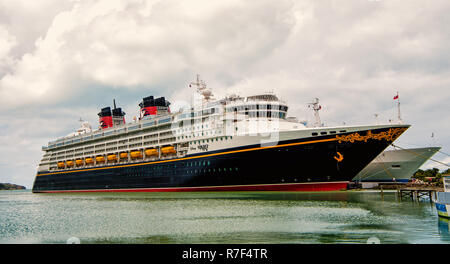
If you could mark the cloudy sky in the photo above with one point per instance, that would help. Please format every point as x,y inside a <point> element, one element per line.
<point>64,60</point>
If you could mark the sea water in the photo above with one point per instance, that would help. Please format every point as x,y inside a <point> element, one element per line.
<point>219,217</point>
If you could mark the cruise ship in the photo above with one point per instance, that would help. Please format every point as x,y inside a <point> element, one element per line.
<point>396,165</point>
<point>231,144</point>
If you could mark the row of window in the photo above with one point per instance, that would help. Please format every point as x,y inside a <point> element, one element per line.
<point>326,133</point>
<point>214,170</point>
<point>280,115</point>
<point>211,139</point>
<point>108,133</point>
<point>209,111</point>
<point>257,107</point>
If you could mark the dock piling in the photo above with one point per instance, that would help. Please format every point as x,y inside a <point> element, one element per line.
<point>415,193</point>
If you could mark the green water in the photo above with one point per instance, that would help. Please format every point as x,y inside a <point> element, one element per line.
<point>218,217</point>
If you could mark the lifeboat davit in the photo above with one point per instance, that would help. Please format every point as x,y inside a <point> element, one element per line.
<point>112,157</point>
<point>100,159</point>
<point>61,165</point>
<point>79,162</point>
<point>89,160</point>
<point>69,163</point>
<point>123,155</point>
<point>151,152</point>
<point>168,150</point>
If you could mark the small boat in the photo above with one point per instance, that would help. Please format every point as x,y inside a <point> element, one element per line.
<point>112,158</point>
<point>136,154</point>
<point>168,150</point>
<point>442,200</point>
<point>151,152</point>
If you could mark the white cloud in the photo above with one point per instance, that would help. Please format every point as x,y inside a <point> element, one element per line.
<point>7,42</point>
<point>135,43</point>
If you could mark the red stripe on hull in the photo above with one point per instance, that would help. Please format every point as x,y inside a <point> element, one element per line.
<point>288,187</point>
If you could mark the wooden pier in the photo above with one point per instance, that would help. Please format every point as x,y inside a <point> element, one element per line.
<point>413,191</point>
<point>417,193</point>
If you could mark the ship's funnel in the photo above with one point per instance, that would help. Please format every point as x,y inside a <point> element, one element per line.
<point>118,116</point>
<point>105,118</point>
<point>153,107</point>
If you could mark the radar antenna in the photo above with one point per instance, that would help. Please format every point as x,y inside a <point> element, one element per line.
<point>202,89</point>
<point>316,107</point>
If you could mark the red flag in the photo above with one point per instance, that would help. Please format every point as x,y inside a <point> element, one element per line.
<point>396,97</point>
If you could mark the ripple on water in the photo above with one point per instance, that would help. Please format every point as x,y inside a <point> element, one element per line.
<point>342,217</point>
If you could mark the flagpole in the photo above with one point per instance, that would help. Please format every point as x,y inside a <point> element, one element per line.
<point>398,104</point>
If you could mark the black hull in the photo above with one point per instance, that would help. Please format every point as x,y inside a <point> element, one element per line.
<point>323,159</point>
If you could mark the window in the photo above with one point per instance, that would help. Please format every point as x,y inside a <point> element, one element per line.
<point>314,134</point>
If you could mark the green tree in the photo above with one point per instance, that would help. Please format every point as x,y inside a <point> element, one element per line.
<point>430,173</point>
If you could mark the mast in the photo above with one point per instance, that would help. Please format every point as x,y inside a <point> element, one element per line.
<point>316,107</point>
<point>202,89</point>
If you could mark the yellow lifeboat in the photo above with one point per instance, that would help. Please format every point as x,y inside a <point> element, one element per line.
<point>61,165</point>
<point>79,162</point>
<point>136,154</point>
<point>168,150</point>
<point>151,152</point>
<point>112,157</point>
<point>100,159</point>
<point>89,160</point>
<point>123,155</point>
<point>69,163</point>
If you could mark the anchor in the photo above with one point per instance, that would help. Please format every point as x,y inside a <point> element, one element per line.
<point>340,158</point>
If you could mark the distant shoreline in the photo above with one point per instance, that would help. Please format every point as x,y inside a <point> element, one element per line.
<point>10,186</point>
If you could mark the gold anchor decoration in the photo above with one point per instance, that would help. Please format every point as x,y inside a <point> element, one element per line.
<point>340,158</point>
